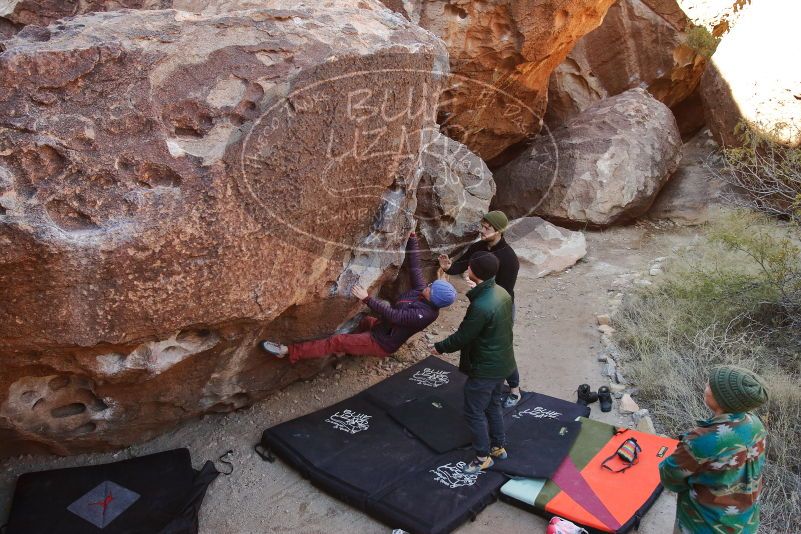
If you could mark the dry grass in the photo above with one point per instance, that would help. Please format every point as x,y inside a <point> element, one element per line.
<point>719,304</point>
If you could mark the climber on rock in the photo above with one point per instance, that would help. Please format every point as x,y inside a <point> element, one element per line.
<point>380,336</point>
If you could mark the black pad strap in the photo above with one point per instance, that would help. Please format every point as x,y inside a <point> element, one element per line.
<point>223,459</point>
<point>265,454</point>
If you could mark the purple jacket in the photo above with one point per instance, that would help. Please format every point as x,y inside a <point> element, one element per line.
<point>411,312</point>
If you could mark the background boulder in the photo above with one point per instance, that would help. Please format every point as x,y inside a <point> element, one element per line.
<point>604,166</point>
<point>501,54</point>
<point>544,248</point>
<point>641,43</point>
<point>176,186</point>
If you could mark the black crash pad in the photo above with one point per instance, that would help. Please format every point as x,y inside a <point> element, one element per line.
<point>157,493</point>
<point>358,451</point>
<point>435,422</point>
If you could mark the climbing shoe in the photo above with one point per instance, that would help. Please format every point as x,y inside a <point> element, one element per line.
<point>585,395</point>
<point>605,397</point>
<point>499,453</point>
<point>478,465</point>
<point>511,400</point>
<point>276,349</point>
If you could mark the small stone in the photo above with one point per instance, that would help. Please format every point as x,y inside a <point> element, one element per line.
<point>655,271</point>
<point>602,356</point>
<point>643,283</point>
<point>646,425</point>
<point>603,319</point>
<point>429,336</point>
<point>338,366</point>
<point>609,370</point>
<point>617,388</point>
<point>619,377</point>
<point>627,404</point>
<point>639,414</point>
<point>606,329</point>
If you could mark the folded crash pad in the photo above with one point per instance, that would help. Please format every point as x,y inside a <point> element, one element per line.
<point>584,492</point>
<point>157,493</point>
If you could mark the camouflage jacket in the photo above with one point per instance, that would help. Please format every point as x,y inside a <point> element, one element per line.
<point>717,472</point>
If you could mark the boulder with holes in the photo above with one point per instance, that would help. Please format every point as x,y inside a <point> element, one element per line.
<point>175,186</point>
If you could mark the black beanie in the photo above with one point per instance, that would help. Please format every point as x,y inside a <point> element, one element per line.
<point>484,264</point>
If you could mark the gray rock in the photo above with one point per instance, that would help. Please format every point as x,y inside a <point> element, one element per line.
<point>544,248</point>
<point>604,166</point>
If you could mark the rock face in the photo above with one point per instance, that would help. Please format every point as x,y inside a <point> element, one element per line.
<point>501,54</point>
<point>694,194</point>
<point>604,166</point>
<point>544,248</point>
<point>755,76</point>
<point>641,43</point>
<point>175,186</point>
<point>454,193</point>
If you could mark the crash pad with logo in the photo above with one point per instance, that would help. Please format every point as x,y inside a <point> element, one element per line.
<point>157,493</point>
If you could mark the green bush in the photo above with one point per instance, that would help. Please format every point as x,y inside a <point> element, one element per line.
<point>702,41</point>
<point>733,299</point>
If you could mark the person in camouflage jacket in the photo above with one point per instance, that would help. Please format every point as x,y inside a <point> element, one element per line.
<point>717,468</point>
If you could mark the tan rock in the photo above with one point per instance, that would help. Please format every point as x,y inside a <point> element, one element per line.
<point>544,248</point>
<point>604,166</point>
<point>755,76</point>
<point>603,319</point>
<point>641,43</point>
<point>606,329</point>
<point>178,186</point>
<point>627,404</point>
<point>502,53</point>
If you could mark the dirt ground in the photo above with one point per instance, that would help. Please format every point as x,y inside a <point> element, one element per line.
<point>556,339</point>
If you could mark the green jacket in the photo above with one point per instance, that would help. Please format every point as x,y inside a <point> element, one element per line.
<point>485,335</point>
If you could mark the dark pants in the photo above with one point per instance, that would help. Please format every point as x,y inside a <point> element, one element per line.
<point>361,343</point>
<point>514,379</point>
<point>482,409</point>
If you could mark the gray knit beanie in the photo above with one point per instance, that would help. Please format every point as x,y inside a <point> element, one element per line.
<point>737,389</point>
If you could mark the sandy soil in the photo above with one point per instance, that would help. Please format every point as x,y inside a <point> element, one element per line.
<point>557,342</point>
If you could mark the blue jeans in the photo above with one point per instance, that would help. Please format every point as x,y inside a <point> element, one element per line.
<point>484,413</point>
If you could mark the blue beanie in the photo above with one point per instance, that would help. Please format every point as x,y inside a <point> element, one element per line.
<point>442,294</point>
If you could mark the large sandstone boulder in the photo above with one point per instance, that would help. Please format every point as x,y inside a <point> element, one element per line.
<point>604,166</point>
<point>641,43</point>
<point>755,76</point>
<point>502,53</point>
<point>544,248</point>
<point>175,186</point>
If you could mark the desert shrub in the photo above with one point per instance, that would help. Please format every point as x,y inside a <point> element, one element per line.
<point>702,41</point>
<point>733,299</point>
<point>765,175</point>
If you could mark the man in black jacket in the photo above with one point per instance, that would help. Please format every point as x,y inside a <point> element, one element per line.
<point>493,225</point>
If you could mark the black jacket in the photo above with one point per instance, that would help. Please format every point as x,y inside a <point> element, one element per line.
<point>507,259</point>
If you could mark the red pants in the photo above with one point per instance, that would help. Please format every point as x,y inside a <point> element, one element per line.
<point>359,344</point>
